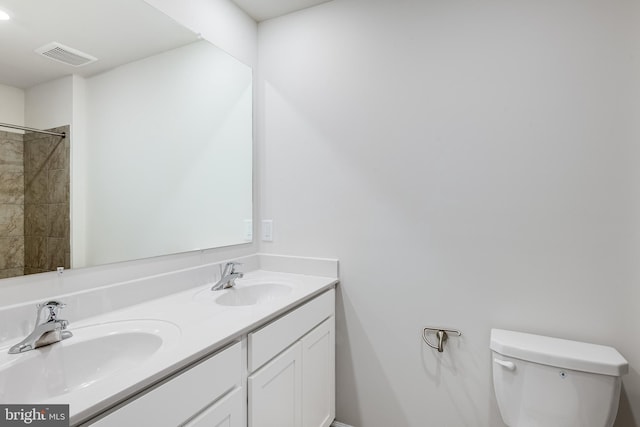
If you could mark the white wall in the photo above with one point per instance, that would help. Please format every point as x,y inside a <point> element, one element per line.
<point>78,173</point>
<point>632,325</point>
<point>43,106</point>
<point>471,165</point>
<point>50,104</point>
<point>219,21</point>
<point>11,107</point>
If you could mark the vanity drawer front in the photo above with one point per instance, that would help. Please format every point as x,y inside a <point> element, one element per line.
<point>227,412</point>
<point>178,399</point>
<point>266,342</point>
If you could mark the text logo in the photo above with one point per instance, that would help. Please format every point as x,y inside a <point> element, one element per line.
<point>34,415</point>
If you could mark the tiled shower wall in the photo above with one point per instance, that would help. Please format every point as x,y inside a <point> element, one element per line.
<point>11,205</point>
<point>46,202</point>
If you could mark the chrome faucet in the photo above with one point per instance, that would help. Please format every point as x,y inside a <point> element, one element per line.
<point>48,330</point>
<point>228,276</point>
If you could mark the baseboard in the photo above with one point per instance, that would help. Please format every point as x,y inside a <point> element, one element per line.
<point>339,424</point>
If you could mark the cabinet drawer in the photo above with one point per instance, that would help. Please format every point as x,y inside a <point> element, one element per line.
<point>227,412</point>
<point>177,400</point>
<point>268,341</point>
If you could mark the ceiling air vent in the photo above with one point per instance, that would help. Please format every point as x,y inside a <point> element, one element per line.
<point>65,54</point>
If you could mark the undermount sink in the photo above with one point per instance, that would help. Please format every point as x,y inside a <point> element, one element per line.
<point>90,355</point>
<point>245,293</point>
<point>252,295</point>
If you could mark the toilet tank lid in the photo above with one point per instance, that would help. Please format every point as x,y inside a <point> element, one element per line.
<point>579,356</point>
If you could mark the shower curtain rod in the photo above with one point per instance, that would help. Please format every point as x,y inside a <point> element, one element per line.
<point>7,125</point>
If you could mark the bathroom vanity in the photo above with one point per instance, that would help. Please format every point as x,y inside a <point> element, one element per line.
<point>287,369</point>
<point>259,354</point>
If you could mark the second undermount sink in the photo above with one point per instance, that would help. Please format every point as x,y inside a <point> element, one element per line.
<point>246,292</point>
<point>253,294</point>
<point>92,354</point>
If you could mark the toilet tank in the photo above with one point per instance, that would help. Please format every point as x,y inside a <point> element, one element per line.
<point>550,382</point>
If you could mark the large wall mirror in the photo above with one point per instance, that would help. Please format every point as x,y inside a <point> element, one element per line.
<point>157,157</point>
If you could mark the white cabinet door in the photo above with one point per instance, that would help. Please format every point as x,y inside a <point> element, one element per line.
<point>318,375</point>
<point>275,391</point>
<point>227,412</point>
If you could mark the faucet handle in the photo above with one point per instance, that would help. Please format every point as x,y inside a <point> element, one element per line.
<point>234,264</point>
<point>48,311</point>
<point>229,268</point>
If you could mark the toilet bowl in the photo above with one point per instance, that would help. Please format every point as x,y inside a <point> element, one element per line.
<point>550,382</point>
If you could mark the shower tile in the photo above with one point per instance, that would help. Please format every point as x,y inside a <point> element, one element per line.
<point>11,220</point>
<point>11,136</point>
<point>11,155</point>
<point>11,187</point>
<point>35,136</point>
<point>35,252</point>
<point>58,220</point>
<point>58,186</point>
<point>31,270</point>
<point>30,175</point>
<point>35,220</point>
<point>58,159</point>
<point>11,272</point>
<point>56,250</point>
<point>11,252</point>
<point>11,204</point>
<point>36,189</point>
<point>37,153</point>
<point>34,202</point>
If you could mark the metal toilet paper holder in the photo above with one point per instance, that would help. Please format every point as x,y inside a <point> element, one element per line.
<point>442,334</point>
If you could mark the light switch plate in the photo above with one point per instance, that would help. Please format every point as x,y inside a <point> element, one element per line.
<point>267,230</point>
<point>248,230</point>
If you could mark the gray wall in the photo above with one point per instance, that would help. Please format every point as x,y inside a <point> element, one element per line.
<point>472,165</point>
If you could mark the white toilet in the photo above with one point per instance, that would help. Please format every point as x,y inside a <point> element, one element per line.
<point>550,382</point>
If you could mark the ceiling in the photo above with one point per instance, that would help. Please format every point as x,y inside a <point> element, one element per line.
<point>114,31</point>
<point>261,10</point>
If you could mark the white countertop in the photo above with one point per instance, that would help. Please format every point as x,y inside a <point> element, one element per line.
<point>203,326</point>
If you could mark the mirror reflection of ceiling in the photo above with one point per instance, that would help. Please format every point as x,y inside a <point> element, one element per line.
<point>261,10</point>
<point>106,32</point>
